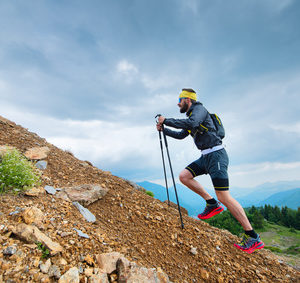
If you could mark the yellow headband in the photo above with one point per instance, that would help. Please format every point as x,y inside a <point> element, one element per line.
<point>188,94</point>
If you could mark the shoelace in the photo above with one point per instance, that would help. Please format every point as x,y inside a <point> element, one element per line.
<point>245,240</point>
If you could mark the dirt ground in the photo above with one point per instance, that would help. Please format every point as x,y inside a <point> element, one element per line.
<point>142,228</point>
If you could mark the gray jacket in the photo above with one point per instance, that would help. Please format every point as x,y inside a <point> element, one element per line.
<point>197,115</point>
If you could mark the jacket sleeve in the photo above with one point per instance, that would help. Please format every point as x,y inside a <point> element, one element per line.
<point>197,117</point>
<point>177,135</point>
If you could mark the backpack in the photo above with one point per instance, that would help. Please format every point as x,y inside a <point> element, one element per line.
<point>220,131</point>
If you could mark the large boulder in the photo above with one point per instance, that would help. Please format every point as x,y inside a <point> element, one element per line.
<point>32,234</point>
<point>37,153</point>
<point>84,194</point>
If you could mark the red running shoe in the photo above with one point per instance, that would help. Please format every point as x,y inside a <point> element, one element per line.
<point>249,245</point>
<point>210,211</point>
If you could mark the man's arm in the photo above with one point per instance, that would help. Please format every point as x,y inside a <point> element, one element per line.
<point>197,117</point>
<point>177,135</point>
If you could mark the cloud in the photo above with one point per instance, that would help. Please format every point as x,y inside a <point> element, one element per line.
<point>126,68</point>
<point>250,175</point>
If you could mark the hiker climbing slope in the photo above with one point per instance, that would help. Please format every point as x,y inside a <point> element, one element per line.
<point>213,161</point>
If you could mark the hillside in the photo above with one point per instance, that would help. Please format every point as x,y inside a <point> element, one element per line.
<point>143,229</point>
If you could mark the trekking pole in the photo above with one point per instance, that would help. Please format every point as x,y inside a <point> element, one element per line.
<point>166,144</point>
<point>163,160</point>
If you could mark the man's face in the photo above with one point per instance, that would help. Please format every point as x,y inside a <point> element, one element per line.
<point>183,105</point>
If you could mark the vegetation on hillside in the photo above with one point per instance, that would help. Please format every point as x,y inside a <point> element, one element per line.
<point>16,172</point>
<point>259,216</point>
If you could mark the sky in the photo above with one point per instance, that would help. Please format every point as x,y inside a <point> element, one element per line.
<point>90,76</point>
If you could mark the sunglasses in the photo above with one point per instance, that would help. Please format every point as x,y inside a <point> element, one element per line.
<point>180,99</point>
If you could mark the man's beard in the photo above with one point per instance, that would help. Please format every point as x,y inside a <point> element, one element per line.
<point>184,108</point>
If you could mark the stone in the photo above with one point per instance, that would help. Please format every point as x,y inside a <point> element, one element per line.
<point>34,192</point>
<point>161,276</point>
<point>193,251</point>
<point>81,234</point>
<point>88,272</point>
<point>33,215</point>
<point>37,153</point>
<point>89,260</point>
<point>54,271</point>
<point>85,194</point>
<point>10,250</point>
<point>32,234</point>
<point>204,274</point>
<point>62,261</point>
<point>90,217</point>
<point>42,164</point>
<point>108,261</point>
<point>44,267</point>
<point>50,190</point>
<point>99,278</point>
<point>71,276</point>
<point>62,195</point>
<point>123,269</point>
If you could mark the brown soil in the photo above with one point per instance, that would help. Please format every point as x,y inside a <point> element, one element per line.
<point>142,228</point>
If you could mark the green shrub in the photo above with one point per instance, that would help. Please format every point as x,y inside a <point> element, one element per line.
<point>273,249</point>
<point>149,193</point>
<point>16,172</point>
<point>43,249</point>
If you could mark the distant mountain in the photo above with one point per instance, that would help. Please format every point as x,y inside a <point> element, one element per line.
<point>289,198</point>
<point>187,198</point>
<point>279,193</point>
<point>255,195</point>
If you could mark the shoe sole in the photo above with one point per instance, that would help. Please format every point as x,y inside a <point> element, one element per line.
<point>256,246</point>
<point>213,213</point>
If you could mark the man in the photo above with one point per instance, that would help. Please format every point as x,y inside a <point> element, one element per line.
<point>213,161</point>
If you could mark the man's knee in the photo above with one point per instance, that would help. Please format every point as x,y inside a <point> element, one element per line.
<point>185,175</point>
<point>223,196</point>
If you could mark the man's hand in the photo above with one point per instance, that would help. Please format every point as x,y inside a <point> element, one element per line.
<point>161,119</point>
<point>159,127</point>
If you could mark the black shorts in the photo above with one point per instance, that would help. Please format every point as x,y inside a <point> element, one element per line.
<point>215,164</point>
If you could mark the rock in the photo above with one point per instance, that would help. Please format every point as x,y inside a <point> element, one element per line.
<point>85,194</point>
<point>204,274</point>
<point>123,269</point>
<point>32,234</point>
<point>130,272</point>
<point>34,192</point>
<point>161,276</point>
<point>193,251</point>
<point>10,250</point>
<point>62,261</point>
<point>99,278</point>
<point>42,164</point>
<point>81,234</point>
<point>33,215</point>
<point>37,153</point>
<point>90,217</point>
<point>54,271</point>
<point>88,272</point>
<point>44,267</point>
<point>62,195</point>
<point>89,260</point>
<point>50,190</point>
<point>108,261</point>
<point>71,276</point>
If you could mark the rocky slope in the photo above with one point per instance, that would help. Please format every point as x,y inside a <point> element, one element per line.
<point>144,230</point>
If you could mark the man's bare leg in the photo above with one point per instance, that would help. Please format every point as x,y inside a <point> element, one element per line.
<point>235,208</point>
<point>188,180</point>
